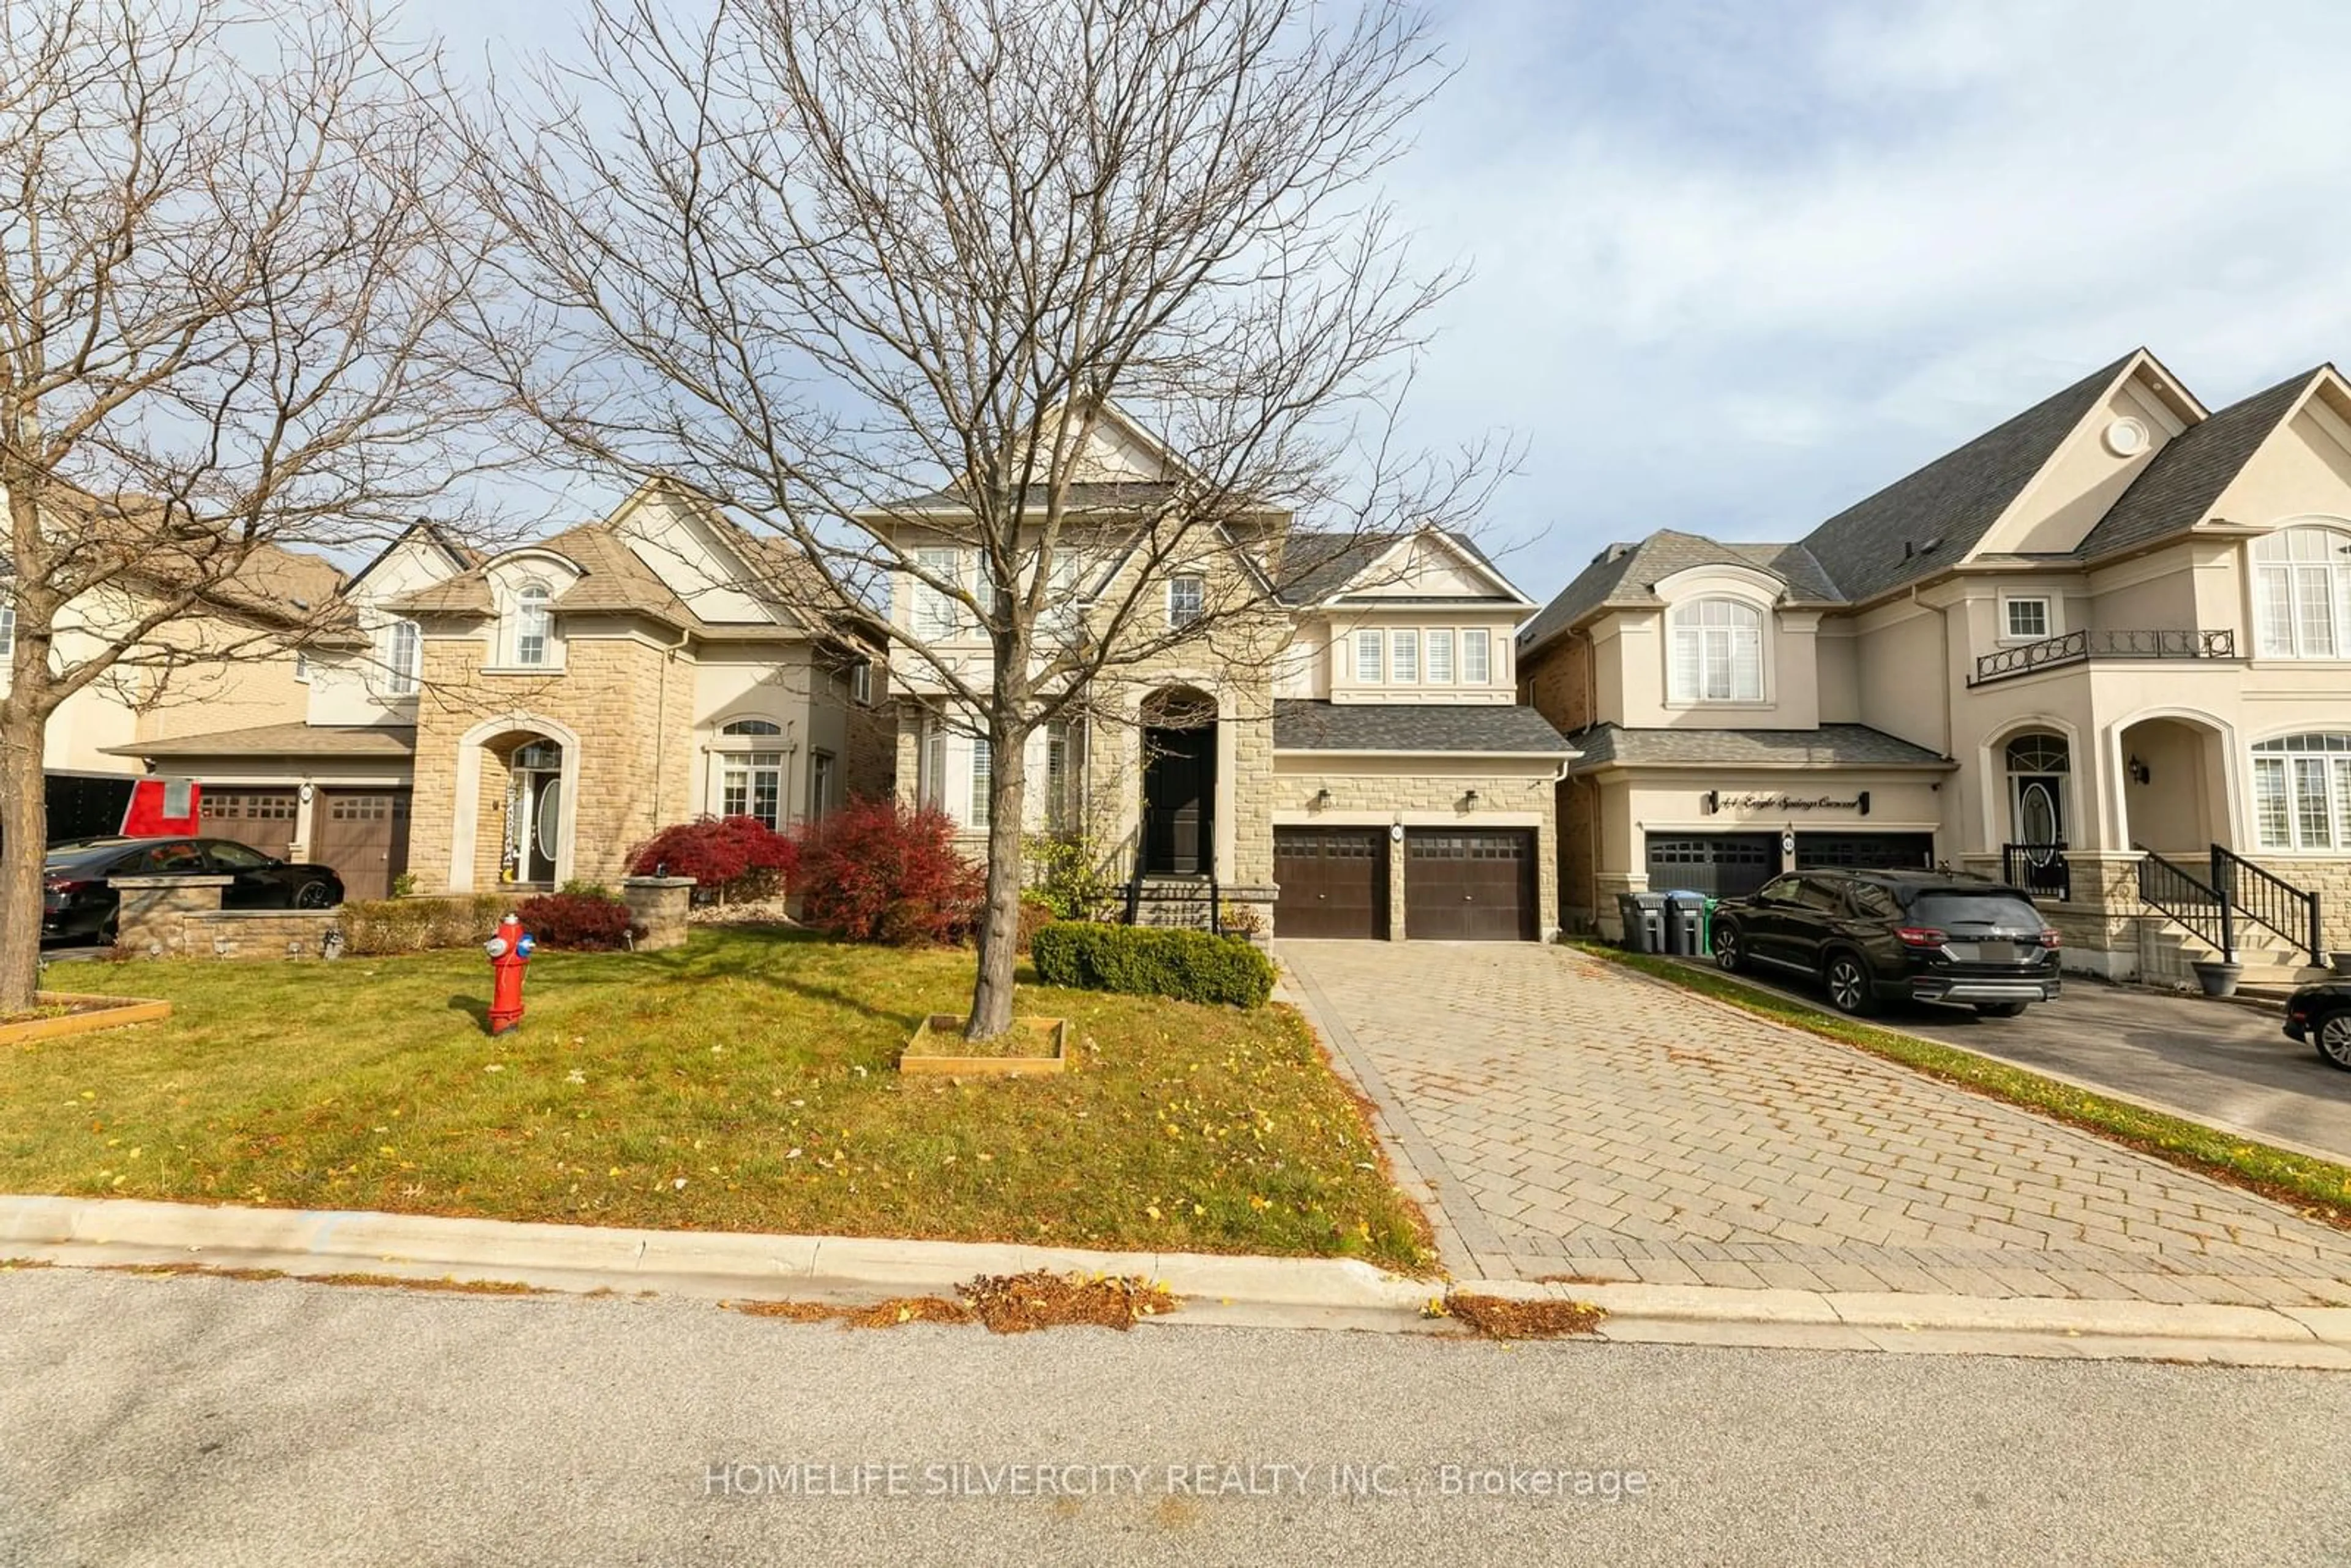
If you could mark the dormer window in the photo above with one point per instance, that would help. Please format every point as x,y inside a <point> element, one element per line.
<point>1717,653</point>
<point>532,624</point>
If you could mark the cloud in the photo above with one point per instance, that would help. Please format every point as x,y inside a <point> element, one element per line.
<point>1739,266</point>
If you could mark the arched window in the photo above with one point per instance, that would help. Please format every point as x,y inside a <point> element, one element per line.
<point>531,624</point>
<point>2302,793</point>
<point>753,727</point>
<point>751,769</point>
<point>2302,594</point>
<point>403,656</point>
<point>1717,652</point>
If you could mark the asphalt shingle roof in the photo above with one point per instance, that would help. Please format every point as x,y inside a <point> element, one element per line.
<point>1625,574</point>
<point>1831,745</point>
<point>1310,724</point>
<point>2182,482</point>
<point>284,740</point>
<point>1954,500</point>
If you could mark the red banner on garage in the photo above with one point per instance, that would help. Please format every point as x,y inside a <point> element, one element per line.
<point>163,809</point>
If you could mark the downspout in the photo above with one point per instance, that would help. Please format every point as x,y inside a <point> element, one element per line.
<point>661,718</point>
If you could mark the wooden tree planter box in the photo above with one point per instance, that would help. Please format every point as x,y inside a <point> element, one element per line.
<point>939,1050</point>
<point>82,1014</point>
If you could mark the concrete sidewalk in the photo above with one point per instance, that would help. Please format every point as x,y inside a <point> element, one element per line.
<point>1276,1293</point>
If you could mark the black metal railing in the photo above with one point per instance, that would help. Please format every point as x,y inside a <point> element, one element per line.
<point>2269,900</point>
<point>2178,893</point>
<point>2076,647</point>
<point>2041,870</point>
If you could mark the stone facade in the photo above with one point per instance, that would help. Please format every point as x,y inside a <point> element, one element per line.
<point>181,917</point>
<point>659,906</point>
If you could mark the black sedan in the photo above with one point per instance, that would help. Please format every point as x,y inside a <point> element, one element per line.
<point>2320,1014</point>
<point>76,902</point>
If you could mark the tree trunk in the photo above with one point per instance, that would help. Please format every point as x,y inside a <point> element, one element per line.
<point>24,841</point>
<point>999,926</point>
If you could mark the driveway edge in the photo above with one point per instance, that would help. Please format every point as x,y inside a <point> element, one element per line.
<point>1248,1291</point>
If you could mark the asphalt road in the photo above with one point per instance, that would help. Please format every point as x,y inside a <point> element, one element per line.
<point>191,1421</point>
<point>2210,1062</point>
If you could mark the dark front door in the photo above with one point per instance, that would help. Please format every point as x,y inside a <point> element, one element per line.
<point>1179,786</point>
<point>1333,881</point>
<point>546,816</point>
<point>1465,886</point>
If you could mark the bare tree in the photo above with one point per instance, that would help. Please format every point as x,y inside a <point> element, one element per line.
<point>233,262</point>
<point>876,273</point>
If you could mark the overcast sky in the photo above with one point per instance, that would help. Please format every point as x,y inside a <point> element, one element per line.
<point>1738,265</point>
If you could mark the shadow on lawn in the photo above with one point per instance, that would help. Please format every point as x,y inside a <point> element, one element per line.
<point>472,1007</point>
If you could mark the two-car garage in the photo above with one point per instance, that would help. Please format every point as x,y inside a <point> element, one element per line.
<point>1459,884</point>
<point>1732,865</point>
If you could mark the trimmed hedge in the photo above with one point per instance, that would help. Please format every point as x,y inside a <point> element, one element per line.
<point>576,922</point>
<point>375,927</point>
<point>1189,965</point>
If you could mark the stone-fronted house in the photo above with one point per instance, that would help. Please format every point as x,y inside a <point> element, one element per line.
<point>1343,754</point>
<point>2103,651</point>
<point>529,716</point>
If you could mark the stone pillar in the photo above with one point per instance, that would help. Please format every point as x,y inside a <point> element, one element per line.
<point>659,904</point>
<point>152,922</point>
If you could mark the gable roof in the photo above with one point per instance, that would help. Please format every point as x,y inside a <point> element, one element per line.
<point>1954,500</point>
<point>1627,573</point>
<point>2184,480</point>
<point>1320,566</point>
<point>458,556</point>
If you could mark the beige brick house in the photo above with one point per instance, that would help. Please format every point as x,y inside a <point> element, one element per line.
<point>1341,749</point>
<point>2102,650</point>
<point>530,717</point>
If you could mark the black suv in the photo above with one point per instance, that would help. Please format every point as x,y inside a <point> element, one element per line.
<point>1871,935</point>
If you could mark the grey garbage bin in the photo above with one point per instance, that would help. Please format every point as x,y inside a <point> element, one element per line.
<point>1643,915</point>
<point>1686,923</point>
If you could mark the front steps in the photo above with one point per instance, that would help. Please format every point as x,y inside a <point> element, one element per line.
<point>2270,962</point>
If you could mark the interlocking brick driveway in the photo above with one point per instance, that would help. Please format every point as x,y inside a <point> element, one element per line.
<point>1574,1118</point>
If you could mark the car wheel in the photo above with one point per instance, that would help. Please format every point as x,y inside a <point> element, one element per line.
<point>2332,1035</point>
<point>1729,955</point>
<point>1999,1010</point>
<point>314,895</point>
<point>1847,979</point>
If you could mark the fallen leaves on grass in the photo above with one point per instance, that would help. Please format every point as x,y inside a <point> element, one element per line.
<point>1496,1318</point>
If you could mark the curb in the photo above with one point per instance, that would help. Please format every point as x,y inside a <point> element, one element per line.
<point>1244,1292</point>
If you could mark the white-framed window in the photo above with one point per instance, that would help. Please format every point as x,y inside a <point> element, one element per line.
<point>2026,619</point>
<point>754,727</point>
<point>983,768</point>
<point>751,784</point>
<point>1059,806</point>
<point>302,655</point>
<point>1368,642</point>
<point>935,766</point>
<point>822,798</point>
<point>1717,652</point>
<point>1440,657</point>
<point>1062,608</point>
<point>7,629</point>
<point>1476,657</point>
<point>531,623</point>
<point>1187,598</point>
<point>2302,793</point>
<point>2302,592</point>
<point>1403,658</point>
<point>936,615</point>
<point>861,683</point>
<point>403,652</point>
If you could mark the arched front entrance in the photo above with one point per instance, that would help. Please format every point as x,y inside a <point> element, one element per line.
<point>1179,781</point>
<point>517,802</point>
<point>534,813</point>
<point>2175,787</point>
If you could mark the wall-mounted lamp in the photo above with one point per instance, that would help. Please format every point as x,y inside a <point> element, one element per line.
<point>1322,799</point>
<point>1711,800</point>
<point>2139,771</point>
<point>1469,801</point>
<point>1862,798</point>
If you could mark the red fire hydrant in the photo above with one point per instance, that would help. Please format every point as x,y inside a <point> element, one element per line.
<point>509,950</point>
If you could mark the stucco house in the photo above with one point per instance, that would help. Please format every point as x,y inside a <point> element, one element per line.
<point>1347,758</point>
<point>528,716</point>
<point>2102,650</point>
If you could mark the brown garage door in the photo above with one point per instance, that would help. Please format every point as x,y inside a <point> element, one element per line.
<point>1469,886</point>
<point>260,819</point>
<point>1333,881</point>
<point>363,834</point>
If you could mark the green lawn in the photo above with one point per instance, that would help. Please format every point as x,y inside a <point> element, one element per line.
<point>743,1083</point>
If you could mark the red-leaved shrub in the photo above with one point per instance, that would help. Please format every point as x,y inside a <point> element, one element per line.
<point>578,922</point>
<point>875,871</point>
<point>735,858</point>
